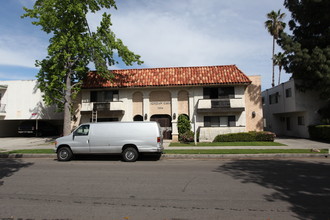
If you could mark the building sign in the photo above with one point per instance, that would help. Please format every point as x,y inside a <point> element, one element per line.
<point>160,103</point>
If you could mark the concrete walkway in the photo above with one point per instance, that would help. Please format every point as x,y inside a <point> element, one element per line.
<point>292,143</point>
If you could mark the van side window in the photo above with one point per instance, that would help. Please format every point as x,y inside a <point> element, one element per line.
<point>82,130</point>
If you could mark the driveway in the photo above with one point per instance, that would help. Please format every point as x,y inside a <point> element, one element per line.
<point>16,143</point>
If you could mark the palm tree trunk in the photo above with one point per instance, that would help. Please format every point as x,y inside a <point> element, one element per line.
<point>273,63</point>
<point>279,76</point>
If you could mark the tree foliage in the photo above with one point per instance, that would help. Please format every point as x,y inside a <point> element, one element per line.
<point>73,46</point>
<point>308,48</point>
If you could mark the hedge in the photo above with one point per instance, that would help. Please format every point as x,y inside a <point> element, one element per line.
<point>245,137</point>
<point>319,132</point>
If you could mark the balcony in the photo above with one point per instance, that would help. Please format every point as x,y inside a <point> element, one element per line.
<point>103,106</point>
<point>220,105</point>
<point>2,110</point>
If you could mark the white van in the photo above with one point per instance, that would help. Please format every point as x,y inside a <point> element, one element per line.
<point>126,138</point>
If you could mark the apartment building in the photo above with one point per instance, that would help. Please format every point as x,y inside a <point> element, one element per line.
<point>288,111</point>
<point>217,99</point>
<point>21,101</point>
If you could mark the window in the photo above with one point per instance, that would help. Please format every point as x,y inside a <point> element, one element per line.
<point>219,121</point>
<point>288,93</point>
<point>82,131</point>
<point>273,99</point>
<point>104,96</point>
<point>301,120</point>
<point>218,92</point>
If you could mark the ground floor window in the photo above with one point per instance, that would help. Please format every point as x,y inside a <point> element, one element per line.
<point>219,121</point>
<point>301,120</point>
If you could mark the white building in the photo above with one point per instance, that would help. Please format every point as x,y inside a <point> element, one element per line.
<point>221,98</point>
<point>20,101</point>
<point>288,111</point>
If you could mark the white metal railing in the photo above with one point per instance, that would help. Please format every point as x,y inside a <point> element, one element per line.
<point>218,103</point>
<point>109,106</point>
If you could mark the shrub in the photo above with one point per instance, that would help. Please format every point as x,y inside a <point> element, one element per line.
<point>245,137</point>
<point>319,132</point>
<point>186,137</point>
<point>183,124</point>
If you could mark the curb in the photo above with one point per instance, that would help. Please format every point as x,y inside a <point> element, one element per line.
<point>191,156</point>
<point>241,156</point>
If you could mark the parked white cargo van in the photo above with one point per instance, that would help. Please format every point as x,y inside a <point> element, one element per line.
<point>126,138</point>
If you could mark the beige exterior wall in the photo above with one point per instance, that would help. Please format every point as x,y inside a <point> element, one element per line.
<point>160,103</point>
<point>253,105</point>
<point>137,103</point>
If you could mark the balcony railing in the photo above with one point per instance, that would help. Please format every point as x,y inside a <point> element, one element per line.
<point>103,106</point>
<point>220,105</point>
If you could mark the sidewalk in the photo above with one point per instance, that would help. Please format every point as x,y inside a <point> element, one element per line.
<point>292,143</point>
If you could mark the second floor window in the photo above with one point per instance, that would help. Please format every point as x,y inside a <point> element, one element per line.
<point>104,96</point>
<point>218,92</point>
<point>273,99</point>
<point>288,93</point>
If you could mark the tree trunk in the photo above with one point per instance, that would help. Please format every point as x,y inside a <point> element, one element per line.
<point>273,63</point>
<point>279,75</point>
<point>67,106</point>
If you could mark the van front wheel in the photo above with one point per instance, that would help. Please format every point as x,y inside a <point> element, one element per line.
<point>64,154</point>
<point>130,154</point>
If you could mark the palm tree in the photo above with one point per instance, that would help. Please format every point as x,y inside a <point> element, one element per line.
<point>275,26</point>
<point>279,60</point>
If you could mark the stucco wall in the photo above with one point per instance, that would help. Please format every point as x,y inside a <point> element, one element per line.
<point>253,105</point>
<point>23,101</point>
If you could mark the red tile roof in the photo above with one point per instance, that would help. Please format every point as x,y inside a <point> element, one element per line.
<point>171,76</point>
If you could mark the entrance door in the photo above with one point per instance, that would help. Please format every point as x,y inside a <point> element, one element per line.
<point>165,122</point>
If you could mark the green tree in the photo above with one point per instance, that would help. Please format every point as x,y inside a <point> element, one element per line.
<point>275,26</point>
<point>279,60</point>
<point>307,47</point>
<point>72,47</point>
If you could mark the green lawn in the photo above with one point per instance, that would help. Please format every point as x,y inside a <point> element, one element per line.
<point>32,151</point>
<point>243,151</point>
<point>204,144</point>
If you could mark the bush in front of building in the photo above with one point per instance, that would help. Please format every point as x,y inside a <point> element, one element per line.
<point>245,137</point>
<point>186,137</point>
<point>183,124</point>
<point>319,132</point>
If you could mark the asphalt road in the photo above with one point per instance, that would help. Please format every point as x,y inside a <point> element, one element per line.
<point>106,188</point>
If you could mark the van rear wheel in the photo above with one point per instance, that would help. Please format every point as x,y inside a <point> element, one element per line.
<point>64,154</point>
<point>130,154</point>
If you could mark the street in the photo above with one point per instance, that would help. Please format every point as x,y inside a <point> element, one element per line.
<point>106,188</point>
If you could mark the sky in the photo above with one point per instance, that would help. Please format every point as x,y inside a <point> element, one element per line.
<point>171,33</point>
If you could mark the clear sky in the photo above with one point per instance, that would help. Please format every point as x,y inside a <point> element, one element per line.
<point>171,33</point>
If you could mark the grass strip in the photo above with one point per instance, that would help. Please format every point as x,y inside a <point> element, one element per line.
<point>205,144</point>
<point>32,151</point>
<point>245,151</point>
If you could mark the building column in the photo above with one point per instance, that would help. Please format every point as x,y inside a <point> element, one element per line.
<point>146,106</point>
<point>174,108</point>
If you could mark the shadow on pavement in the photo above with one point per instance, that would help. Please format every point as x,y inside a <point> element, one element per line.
<point>305,185</point>
<point>10,166</point>
<point>90,157</point>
